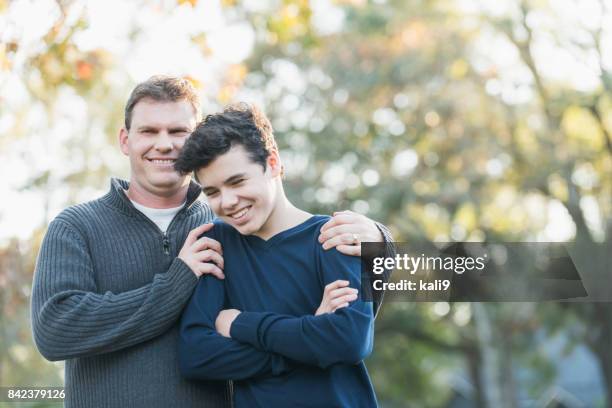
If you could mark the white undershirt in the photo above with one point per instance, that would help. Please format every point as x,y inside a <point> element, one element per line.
<point>162,217</point>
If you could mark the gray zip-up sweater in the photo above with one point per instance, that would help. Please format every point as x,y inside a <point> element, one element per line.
<point>107,296</point>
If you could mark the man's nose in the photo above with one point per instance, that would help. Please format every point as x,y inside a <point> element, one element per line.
<point>163,143</point>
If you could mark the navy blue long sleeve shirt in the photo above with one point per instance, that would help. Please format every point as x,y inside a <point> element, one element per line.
<point>279,353</point>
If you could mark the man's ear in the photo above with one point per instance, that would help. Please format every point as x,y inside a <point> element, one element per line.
<point>123,141</point>
<point>274,163</point>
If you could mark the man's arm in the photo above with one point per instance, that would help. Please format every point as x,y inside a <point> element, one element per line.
<point>345,336</point>
<point>206,355</point>
<point>71,319</point>
<point>346,230</point>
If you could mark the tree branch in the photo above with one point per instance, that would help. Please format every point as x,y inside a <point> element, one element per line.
<point>604,130</point>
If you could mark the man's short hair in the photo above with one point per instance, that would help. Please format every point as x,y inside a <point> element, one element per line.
<point>162,88</point>
<point>238,124</point>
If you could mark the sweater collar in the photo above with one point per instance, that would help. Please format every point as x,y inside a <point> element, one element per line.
<point>117,198</point>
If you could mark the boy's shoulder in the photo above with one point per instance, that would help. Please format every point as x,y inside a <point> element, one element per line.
<point>313,225</point>
<point>315,222</point>
<point>221,229</point>
<point>319,219</point>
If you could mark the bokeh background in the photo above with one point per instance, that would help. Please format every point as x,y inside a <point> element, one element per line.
<point>448,120</point>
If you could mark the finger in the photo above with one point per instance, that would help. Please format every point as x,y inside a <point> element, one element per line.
<point>343,212</point>
<point>342,306</point>
<point>207,243</point>
<point>334,294</point>
<point>336,284</point>
<point>211,256</point>
<point>340,219</point>
<point>330,223</point>
<point>337,230</point>
<point>342,239</point>
<point>352,250</point>
<point>196,232</point>
<point>211,269</point>
<point>343,299</point>
<point>346,217</point>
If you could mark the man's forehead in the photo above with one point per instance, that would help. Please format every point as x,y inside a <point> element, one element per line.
<point>164,112</point>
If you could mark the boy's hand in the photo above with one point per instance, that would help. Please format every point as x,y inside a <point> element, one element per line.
<point>202,255</point>
<point>336,296</point>
<point>224,321</point>
<point>347,230</point>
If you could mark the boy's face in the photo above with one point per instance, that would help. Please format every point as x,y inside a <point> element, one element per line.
<point>239,191</point>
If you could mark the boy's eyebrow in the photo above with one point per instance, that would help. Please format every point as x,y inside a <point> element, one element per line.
<point>208,190</point>
<point>233,178</point>
<point>229,180</point>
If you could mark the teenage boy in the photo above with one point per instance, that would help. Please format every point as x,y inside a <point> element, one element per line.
<point>114,274</point>
<point>262,326</point>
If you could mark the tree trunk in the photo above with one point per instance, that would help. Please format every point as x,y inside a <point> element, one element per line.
<point>490,378</point>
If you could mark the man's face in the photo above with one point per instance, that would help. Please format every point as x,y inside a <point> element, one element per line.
<point>156,136</point>
<point>239,191</point>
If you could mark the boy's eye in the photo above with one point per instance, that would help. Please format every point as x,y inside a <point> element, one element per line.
<point>238,181</point>
<point>212,193</point>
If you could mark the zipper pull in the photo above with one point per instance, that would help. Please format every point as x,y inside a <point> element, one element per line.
<point>166,244</point>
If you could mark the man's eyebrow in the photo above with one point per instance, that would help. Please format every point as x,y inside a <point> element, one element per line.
<point>146,127</point>
<point>180,129</point>
<point>171,129</point>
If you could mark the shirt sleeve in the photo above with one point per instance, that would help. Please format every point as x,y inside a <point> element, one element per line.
<point>71,319</point>
<point>378,295</point>
<point>204,354</point>
<point>345,336</point>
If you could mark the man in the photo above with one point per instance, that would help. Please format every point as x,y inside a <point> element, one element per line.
<point>114,274</point>
<point>271,339</point>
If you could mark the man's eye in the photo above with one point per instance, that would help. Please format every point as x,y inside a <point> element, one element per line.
<point>212,194</point>
<point>239,181</point>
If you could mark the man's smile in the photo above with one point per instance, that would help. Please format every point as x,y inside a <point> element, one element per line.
<point>164,162</point>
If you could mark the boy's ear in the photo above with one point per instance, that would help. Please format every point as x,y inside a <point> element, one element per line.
<point>274,163</point>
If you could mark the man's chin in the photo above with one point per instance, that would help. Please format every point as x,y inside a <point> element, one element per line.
<point>166,187</point>
<point>168,182</point>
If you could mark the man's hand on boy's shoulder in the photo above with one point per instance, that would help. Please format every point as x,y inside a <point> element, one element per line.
<point>346,230</point>
<point>203,255</point>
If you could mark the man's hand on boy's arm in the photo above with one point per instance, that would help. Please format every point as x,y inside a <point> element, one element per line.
<point>346,230</point>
